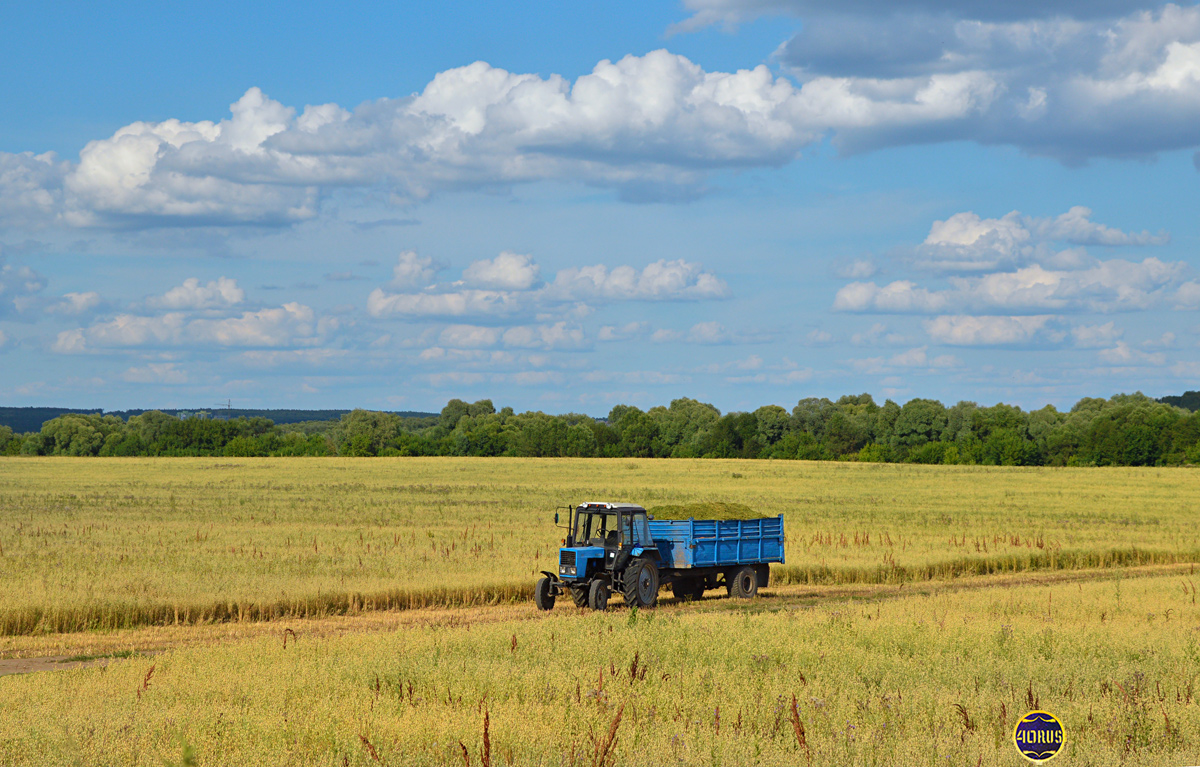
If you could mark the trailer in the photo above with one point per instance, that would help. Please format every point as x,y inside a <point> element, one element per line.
<point>618,547</point>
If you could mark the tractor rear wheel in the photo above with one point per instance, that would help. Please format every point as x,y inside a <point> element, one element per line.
<point>542,596</point>
<point>690,589</point>
<point>580,595</point>
<point>598,596</point>
<point>641,583</point>
<point>744,584</point>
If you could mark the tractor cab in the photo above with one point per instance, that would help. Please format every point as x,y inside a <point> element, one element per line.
<point>600,536</point>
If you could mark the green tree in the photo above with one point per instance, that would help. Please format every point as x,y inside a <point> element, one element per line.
<point>920,421</point>
<point>452,412</point>
<point>773,422</point>
<point>580,441</point>
<point>810,415</point>
<point>958,422</point>
<point>78,434</point>
<point>734,436</point>
<point>847,431</point>
<point>885,422</point>
<point>636,431</point>
<point>365,432</point>
<point>537,434</point>
<point>481,407</point>
<point>151,428</point>
<point>683,427</point>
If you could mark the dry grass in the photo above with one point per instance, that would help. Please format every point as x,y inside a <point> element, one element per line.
<point>924,679</point>
<point>104,544</point>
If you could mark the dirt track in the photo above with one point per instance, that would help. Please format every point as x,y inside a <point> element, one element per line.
<point>59,662</point>
<point>32,654</point>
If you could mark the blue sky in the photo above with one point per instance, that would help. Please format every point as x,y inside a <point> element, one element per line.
<point>563,208</point>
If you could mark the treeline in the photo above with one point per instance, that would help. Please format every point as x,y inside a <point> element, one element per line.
<point>1126,430</point>
<point>26,419</point>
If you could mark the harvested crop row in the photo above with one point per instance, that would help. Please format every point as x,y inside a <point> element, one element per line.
<point>108,543</point>
<point>935,679</point>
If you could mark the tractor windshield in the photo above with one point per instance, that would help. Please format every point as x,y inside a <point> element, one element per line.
<point>602,528</point>
<point>596,529</point>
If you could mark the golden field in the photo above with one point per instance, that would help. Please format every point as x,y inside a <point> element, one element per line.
<point>922,611</point>
<point>113,543</point>
<point>879,678</point>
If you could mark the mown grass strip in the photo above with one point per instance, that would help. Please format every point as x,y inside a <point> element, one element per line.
<point>973,566</point>
<point>113,616</point>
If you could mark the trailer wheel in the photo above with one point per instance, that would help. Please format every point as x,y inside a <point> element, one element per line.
<point>745,583</point>
<point>542,596</point>
<point>691,589</point>
<point>598,595</point>
<point>580,595</point>
<point>641,584</point>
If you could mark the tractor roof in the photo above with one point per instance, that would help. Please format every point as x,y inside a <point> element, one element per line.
<point>593,506</point>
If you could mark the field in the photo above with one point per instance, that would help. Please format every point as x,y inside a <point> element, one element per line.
<point>87,544</point>
<point>922,611</point>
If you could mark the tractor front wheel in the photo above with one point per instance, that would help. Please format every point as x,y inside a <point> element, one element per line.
<point>543,597</point>
<point>598,596</point>
<point>580,595</point>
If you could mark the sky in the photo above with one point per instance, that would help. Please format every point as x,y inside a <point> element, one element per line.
<point>565,206</point>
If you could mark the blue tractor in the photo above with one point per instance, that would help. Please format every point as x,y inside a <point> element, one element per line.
<point>618,547</point>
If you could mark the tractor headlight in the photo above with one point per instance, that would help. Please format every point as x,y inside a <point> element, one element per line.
<point>566,571</point>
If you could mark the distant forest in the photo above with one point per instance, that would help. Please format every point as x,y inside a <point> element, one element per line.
<point>26,419</point>
<point>1125,430</point>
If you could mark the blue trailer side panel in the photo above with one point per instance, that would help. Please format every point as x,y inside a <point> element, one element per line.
<point>718,543</point>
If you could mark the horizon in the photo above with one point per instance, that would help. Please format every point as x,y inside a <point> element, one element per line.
<point>418,412</point>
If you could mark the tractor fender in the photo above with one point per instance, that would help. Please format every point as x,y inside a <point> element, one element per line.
<point>556,586</point>
<point>650,552</point>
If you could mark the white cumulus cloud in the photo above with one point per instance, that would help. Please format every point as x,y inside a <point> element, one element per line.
<point>470,336</point>
<point>156,373</point>
<point>1092,336</point>
<point>1188,295</point>
<point>624,332</point>
<point>31,187</point>
<point>292,324</point>
<point>661,280</point>
<point>221,293</point>
<point>898,296</point>
<point>708,333</point>
<point>507,271</point>
<point>510,284</point>
<point>413,271</point>
<point>919,358</point>
<point>965,242</point>
<point>1122,354</point>
<point>652,126</point>
<point>75,303</point>
<point>461,303</point>
<point>556,336</point>
<point>1115,285</point>
<point>965,330</point>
